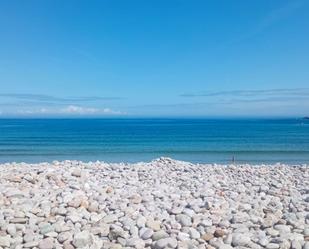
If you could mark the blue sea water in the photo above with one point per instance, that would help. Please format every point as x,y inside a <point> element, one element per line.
<point>131,140</point>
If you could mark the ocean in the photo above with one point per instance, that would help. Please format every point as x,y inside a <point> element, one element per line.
<point>132,140</point>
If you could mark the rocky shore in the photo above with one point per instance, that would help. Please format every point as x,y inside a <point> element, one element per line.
<point>160,204</point>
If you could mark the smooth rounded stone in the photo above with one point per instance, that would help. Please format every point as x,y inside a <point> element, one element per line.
<point>115,246</point>
<point>272,246</point>
<point>29,237</point>
<point>116,231</point>
<point>285,244</point>
<point>76,172</point>
<point>184,220</point>
<point>283,228</point>
<point>62,228</point>
<point>206,222</point>
<point>74,218</point>
<point>19,214</point>
<point>240,218</point>
<point>239,239</point>
<point>15,193</point>
<point>5,241</point>
<point>183,236</point>
<point>136,199</point>
<point>227,239</point>
<point>269,220</point>
<point>159,235</point>
<point>306,245</point>
<point>189,212</point>
<point>141,221</point>
<point>96,217</point>
<point>296,244</point>
<point>216,242</point>
<point>82,239</point>
<point>146,233</point>
<point>263,241</point>
<point>67,245</point>
<point>104,229</point>
<point>121,241</point>
<point>47,243</point>
<point>225,246</point>
<point>31,244</point>
<point>11,229</point>
<point>134,231</point>
<point>51,234</point>
<point>45,228</point>
<point>176,210</point>
<point>93,206</point>
<point>110,218</point>
<point>294,236</point>
<point>62,237</point>
<point>166,243</point>
<point>194,234</point>
<point>75,202</point>
<point>207,236</point>
<point>29,178</point>
<point>191,244</point>
<point>135,242</point>
<point>61,211</point>
<point>272,232</point>
<point>153,224</point>
<point>219,233</point>
<point>19,220</point>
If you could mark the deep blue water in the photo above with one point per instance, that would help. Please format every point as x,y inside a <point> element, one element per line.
<point>130,140</point>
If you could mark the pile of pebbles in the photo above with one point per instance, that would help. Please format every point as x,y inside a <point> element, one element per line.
<point>160,204</point>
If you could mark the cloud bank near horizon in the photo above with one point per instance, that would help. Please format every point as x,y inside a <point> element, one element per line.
<point>49,98</point>
<point>258,102</point>
<point>283,92</point>
<point>24,104</point>
<point>70,110</point>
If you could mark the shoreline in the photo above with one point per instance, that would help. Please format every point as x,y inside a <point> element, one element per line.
<point>159,204</point>
<point>147,162</point>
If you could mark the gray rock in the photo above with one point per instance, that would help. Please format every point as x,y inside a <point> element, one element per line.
<point>11,229</point>
<point>166,243</point>
<point>110,218</point>
<point>47,243</point>
<point>62,237</point>
<point>283,228</point>
<point>31,244</point>
<point>146,233</point>
<point>82,239</point>
<point>5,241</point>
<point>194,234</point>
<point>272,246</point>
<point>160,235</point>
<point>184,220</point>
<point>306,245</point>
<point>239,239</point>
<point>225,246</point>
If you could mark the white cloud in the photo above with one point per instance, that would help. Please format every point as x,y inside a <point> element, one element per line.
<point>69,110</point>
<point>73,109</point>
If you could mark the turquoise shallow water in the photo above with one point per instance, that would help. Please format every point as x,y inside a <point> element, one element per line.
<point>131,140</point>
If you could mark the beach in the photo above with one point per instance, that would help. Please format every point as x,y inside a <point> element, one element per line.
<point>163,203</point>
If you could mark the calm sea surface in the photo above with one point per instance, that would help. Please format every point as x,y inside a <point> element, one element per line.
<point>131,140</point>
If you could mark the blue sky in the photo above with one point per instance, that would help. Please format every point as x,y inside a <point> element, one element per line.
<point>154,58</point>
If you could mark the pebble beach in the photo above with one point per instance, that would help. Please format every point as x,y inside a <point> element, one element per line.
<point>159,204</point>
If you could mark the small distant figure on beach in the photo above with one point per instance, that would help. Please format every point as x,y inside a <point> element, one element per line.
<point>233,159</point>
